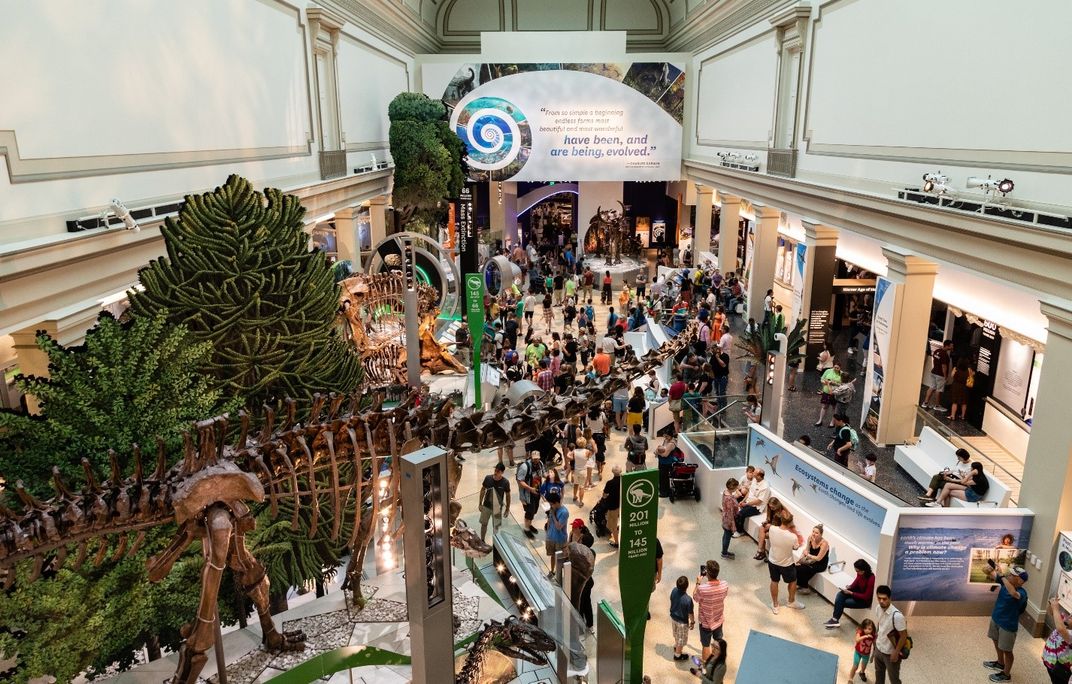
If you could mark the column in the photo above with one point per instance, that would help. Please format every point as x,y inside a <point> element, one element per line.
<point>68,330</point>
<point>1047,484</point>
<point>728,227</point>
<point>765,254</point>
<point>701,234</point>
<point>817,255</point>
<point>496,210</point>
<point>510,213</point>
<point>377,220</point>
<point>898,347</point>
<point>346,238</point>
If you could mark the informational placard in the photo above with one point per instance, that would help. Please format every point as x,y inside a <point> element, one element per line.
<point>636,561</point>
<point>947,557</point>
<point>1062,579</point>
<point>466,232</point>
<point>881,327</point>
<point>1013,374</point>
<point>553,121</point>
<point>800,484</point>
<point>474,310</point>
<point>800,261</point>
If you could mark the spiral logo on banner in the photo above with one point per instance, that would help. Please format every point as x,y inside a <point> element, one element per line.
<point>495,133</point>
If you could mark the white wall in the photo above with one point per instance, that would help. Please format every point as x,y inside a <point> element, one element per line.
<point>735,94</point>
<point>101,80</point>
<point>893,90</point>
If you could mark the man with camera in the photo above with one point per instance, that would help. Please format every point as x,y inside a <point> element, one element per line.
<point>1005,618</point>
<point>710,597</point>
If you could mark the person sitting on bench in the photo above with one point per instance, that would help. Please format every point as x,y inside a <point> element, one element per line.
<point>956,474</point>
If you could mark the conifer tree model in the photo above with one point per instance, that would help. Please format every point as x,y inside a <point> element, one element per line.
<point>239,274</point>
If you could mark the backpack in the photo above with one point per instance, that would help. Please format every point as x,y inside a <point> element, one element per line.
<point>970,382</point>
<point>895,635</point>
<point>854,438</point>
<point>844,393</point>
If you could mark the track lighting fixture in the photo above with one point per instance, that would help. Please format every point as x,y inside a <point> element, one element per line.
<point>988,185</point>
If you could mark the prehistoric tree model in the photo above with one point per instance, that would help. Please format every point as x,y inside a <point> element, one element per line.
<point>127,384</point>
<point>239,274</point>
<point>312,464</point>
<point>427,156</point>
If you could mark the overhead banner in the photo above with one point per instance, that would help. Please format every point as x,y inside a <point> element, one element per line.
<point>636,561</point>
<point>801,484</point>
<point>881,324</point>
<point>555,121</point>
<point>799,270</point>
<point>947,557</point>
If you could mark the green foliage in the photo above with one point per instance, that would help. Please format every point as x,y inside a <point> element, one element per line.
<point>426,153</point>
<point>98,617</point>
<point>239,274</point>
<point>755,346</point>
<point>128,383</point>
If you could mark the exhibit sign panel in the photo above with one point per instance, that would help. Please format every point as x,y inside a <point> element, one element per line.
<point>466,232</point>
<point>881,335</point>
<point>636,561</point>
<point>797,274</point>
<point>474,310</point>
<point>1062,579</point>
<point>557,121</point>
<point>942,557</point>
<point>799,483</point>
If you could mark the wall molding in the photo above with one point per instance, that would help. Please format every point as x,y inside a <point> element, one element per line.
<point>449,7</point>
<point>367,146</point>
<point>34,169</point>
<point>738,144</point>
<point>657,31</point>
<point>1010,160</point>
<point>715,23</point>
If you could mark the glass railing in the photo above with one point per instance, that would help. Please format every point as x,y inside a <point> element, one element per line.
<point>726,448</point>
<point>704,414</point>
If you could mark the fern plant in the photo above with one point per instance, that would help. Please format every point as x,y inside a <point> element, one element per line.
<point>754,346</point>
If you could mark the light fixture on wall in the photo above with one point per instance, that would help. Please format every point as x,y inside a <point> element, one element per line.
<point>937,183</point>
<point>989,185</point>
<point>120,211</point>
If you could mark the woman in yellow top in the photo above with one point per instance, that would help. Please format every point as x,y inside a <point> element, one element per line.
<point>624,298</point>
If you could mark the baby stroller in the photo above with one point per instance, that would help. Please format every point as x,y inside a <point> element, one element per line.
<point>598,517</point>
<point>683,481</point>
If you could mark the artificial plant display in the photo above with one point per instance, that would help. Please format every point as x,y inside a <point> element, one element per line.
<point>239,274</point>
<point>427,156</point>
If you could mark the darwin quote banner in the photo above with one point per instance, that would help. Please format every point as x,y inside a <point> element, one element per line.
<point>585,122</point>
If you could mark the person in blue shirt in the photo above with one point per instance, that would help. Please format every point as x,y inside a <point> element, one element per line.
<point>682,616</point>
<point>557,528</point>
<point>1005,618</point>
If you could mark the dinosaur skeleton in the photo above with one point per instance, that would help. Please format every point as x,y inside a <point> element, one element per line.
<point>513,638</point>
<point>334,456</point>
<point>372,307</point>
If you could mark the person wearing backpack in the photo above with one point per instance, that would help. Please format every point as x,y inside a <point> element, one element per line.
<point>1010,603</point>
<point>528,475</point>
<point>891,637</point>
<point>636,450</point>
<point>844,442</point>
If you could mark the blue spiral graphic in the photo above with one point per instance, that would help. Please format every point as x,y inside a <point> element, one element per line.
<point>495,133</point>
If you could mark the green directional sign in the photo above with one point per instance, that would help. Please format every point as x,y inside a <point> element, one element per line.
<point>474,313</point>
<point>636,562</point>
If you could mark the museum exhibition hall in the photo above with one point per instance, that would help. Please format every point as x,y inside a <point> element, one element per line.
<point>535,341</point>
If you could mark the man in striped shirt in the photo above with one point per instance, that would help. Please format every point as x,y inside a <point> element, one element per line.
<point>545,378</point>
<point>710,597</point>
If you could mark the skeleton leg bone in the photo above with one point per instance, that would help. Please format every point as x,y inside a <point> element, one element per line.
<point>251,576</point>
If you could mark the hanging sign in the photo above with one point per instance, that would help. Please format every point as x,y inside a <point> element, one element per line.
<point>474,309</point>
<point>466,231</point>
<point>636,561</point>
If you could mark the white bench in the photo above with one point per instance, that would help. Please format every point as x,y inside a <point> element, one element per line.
<point>842,551</point>
<point>931,454</point>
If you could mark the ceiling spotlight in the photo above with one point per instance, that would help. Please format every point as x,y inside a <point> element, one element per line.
<point>989,185</point>
<point>122,213</point>
<point>932,181</point>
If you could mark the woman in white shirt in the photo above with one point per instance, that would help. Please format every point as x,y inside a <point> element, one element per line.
<point>583,460</point>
